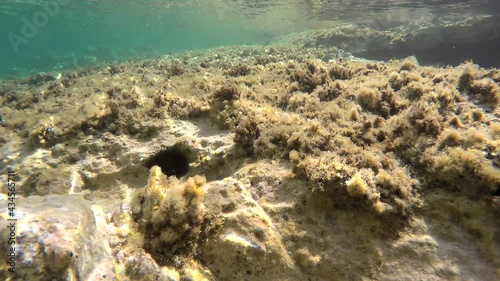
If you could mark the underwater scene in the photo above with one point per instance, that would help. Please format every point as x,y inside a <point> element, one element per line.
<point>283,140</point>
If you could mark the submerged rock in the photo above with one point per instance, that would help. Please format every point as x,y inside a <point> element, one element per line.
<point>303,170</point>
<point>59,237</point>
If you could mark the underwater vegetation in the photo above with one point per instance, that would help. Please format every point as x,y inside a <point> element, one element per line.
<point>171,214</point>
<point>268,159</point>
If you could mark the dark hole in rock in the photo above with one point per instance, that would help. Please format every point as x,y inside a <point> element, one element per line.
<point>173,160</point>
<point>496,192</point>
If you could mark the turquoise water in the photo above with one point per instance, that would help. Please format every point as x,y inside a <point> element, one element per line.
<point>68,32</point>
<point>47,35</point>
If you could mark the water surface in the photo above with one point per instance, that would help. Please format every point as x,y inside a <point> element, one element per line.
<point>44,35</point>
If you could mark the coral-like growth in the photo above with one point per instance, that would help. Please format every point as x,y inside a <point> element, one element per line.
<point>171,214</point>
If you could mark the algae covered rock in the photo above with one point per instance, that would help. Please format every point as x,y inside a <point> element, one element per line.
<point>59,237</point>
<point>142,267</point>
<point>249,245</point>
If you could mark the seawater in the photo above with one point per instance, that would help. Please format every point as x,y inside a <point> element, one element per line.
<point>54,35</point>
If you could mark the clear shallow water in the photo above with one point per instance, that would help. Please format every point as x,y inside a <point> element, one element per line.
<point>42,35</point>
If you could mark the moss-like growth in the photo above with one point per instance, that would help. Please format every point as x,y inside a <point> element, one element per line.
<point>486,90</point>
<point>478,115</point>
<point>319,172</point>
<point>246,133</point>
<point>227,92</point>
<point>456,122</point>
<point>464,170</point>
<point>178,107</point>
<point>450,138</point>
<point>408,77</point>
<point>395,81</point>
<point>415,90</point>
<point>368,98</point>
<point>239,70</point>
<point>465,80</point>
<point>175,69</point>
<point>310,77</point>
<point>333,90</point>
<point>338,71</point>
<point>303,103</point>
<point>354,114</point>
<point>495,130</point>
<point>171,215</point>
<point>483,89</point>
<point>425,120</point>
<point>361,185</point>
<point>356,186</point>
